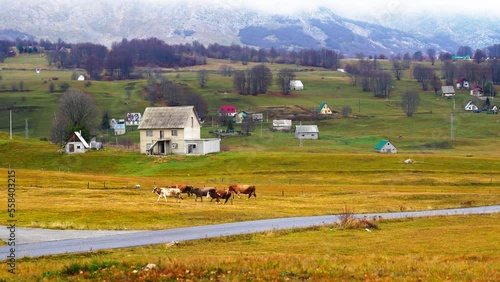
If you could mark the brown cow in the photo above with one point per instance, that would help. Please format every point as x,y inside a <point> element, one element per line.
<point>200,192</point>
<point>219,194</point>
<point>242,189</point>
<point>184,188</point>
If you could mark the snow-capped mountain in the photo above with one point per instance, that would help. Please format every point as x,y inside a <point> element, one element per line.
<point>106,22</point>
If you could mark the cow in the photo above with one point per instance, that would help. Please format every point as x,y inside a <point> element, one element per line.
<point>200,192</point>
<point>184,188</point>
<point>219,194</point>
<point>168,192</point>
<point>242,189</point>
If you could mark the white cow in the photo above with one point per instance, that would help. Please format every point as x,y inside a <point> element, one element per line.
<point>168,192</point>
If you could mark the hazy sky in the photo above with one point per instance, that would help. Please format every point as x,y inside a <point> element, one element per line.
<point>373,7</point>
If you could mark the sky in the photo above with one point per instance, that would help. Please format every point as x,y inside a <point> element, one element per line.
<point>359,8</point>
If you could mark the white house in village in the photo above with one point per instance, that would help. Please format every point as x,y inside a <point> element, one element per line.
<point>306,132</point>
<point>386,147</point>
<point>282,124</point>
<point>81,77</point>
<point>296,85</point>
<point>471,106</point>
<point>173,130</point>
<point>76,144</point>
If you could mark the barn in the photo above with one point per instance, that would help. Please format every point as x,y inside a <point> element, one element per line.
<point>386,147</point>
<point>306,132</point>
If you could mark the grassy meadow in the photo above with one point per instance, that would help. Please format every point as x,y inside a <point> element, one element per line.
<point>97,190</point>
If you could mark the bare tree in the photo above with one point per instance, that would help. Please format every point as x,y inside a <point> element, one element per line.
<point>410,102</point>
<point>76,111</point>
<point>432,55</point>
<point>283,80</point>
<point>226,70</point>
<point>202,78</point>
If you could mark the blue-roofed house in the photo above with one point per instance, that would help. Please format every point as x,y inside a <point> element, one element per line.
<point>386,147</point>
<point>324,109</point>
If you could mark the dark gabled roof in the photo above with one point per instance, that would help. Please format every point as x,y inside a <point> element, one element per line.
<point>167,117</point>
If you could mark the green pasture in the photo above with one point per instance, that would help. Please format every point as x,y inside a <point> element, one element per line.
<point>96,190</point>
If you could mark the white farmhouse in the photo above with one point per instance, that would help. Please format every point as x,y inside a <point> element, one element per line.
<point>173,130</point>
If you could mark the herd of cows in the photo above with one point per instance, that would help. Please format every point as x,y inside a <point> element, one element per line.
<point>175,191</point>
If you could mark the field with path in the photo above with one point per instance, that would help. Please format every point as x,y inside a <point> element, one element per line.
<point>339,172</point>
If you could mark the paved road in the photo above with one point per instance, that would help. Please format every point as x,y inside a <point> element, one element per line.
<point>34,242</point>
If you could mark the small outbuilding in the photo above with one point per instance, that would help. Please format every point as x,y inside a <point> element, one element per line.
<point>76,144</point>
<point>386,147</point>
<point>306,132</point>
<point>447,91</point>
<point>81,77</point>
<point>324,109</point>
<point>282,124</point>
<point>296,85</point>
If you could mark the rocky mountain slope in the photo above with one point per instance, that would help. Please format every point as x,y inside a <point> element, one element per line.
<point>106,22</point>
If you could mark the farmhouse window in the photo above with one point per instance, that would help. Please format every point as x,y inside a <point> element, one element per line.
<point>149,133</point>
<point>78,147</point>
<point>174,132</point>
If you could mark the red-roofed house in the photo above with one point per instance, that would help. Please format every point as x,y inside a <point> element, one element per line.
<point>462,83</point>
<point>227,110</point>
<point>476,91</point>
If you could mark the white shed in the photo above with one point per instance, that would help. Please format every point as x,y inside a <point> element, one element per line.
<point>81,77</point>
<point>296,85</point>
<point>282,124</point>
<point>306,132</point>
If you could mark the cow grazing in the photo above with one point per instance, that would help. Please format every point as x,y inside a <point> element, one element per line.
<point>219,194</point>
<point>242,189</point>
<point>168,192</point>
<point>200,192</point>
<point>186,189</point>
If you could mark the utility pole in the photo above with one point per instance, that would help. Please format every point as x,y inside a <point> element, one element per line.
<point>452,134</point>
<point>10,124</point>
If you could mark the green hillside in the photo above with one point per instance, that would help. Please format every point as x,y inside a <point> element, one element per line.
<point>371,119</point>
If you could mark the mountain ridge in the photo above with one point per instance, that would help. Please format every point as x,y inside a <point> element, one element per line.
<point>185,22</point>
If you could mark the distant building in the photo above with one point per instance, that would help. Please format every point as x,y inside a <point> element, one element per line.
<point>240,117</point>
<point>282,124</point>
<point>258,117</point>
<point>476,91</point>
<point>324,109</point>
<point>462,83</point>
<point>386,147</point>
<point>306,132</point>
<point>227,110</point>
<point>119,128</point>
<point>81,77</point>
<point>471,106</point>
<point>76,144</point>
<point>133,119</point>
<point>296,85</point>
<point>447,91</point>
